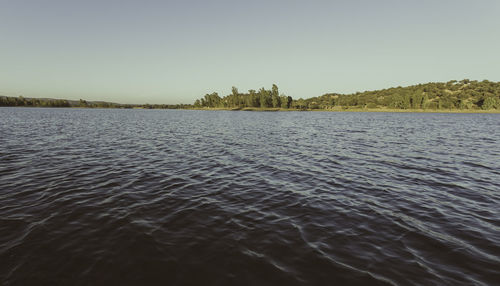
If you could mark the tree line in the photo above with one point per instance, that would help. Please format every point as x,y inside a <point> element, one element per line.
<point>38,102</point>
<point>48,102</point>
<point>464,94</point>
<point>257,99</point>
<point>451,95</point>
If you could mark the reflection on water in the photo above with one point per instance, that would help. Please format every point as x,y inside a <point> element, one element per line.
<point>145,197</point>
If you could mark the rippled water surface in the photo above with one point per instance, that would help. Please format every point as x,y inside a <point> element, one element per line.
<point>170,197</point>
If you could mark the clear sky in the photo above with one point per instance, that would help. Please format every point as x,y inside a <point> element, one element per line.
<point>176,51</point>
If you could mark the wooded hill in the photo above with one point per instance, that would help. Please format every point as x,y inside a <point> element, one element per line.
<point>464,94</point>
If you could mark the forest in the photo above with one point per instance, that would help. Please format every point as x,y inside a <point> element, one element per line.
<point>452,95</point>
<point>464,94</point>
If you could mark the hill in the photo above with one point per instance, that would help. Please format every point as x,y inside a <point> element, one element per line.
<point>464,94</point>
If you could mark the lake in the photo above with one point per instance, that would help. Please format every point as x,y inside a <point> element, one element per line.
<point>184,197</point>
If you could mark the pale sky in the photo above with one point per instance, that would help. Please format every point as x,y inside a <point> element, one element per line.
<point>176,51</point>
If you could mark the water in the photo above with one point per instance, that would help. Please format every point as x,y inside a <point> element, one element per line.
<point>170,197</point>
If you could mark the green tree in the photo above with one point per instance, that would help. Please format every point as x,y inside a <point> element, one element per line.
<point>274,90</point>
<point>265,98</point>
<point>490,103</point>
<point>276,101</point>
<point>301,104</point>
<point>283,102</point>
<point>255,98</point>
<point>425,102</point>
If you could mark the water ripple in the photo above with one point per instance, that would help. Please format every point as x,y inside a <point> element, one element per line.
<point>175,197</point>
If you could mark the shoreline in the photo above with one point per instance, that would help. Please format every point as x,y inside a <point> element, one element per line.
<point>494,111</point>
<point>255,109</point>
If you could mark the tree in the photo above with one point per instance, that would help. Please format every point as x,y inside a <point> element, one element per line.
<point>301,104</point>
<point>276,100</point>
<point>425,102</point>
<point>274,90</point>
<point>416,100</point>
<point>289,101</point>
<point>212,100</point>
<point>255,98</point>
<point>284,101</point>
<point>490,103</point>
<point>265,98</point>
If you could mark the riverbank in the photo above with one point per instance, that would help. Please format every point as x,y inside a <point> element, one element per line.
<point>335,109</point>
<point>342,109</point>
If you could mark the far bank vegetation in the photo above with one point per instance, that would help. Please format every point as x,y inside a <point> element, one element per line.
<point>466,95</point>
<point>452,95</point>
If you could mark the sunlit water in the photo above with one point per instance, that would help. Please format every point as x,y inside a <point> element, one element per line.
<point>150,197</point>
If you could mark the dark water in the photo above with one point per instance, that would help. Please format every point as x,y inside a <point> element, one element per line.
<point>146,197</point>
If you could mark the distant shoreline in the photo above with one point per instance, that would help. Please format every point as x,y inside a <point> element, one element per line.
<point>351,110</point>
<point>390,110</point>
<point>463,96</point>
